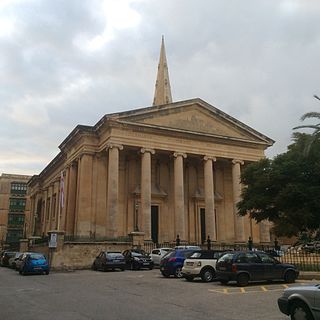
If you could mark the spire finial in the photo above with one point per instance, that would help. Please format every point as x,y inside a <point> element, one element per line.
<point>162,93</point>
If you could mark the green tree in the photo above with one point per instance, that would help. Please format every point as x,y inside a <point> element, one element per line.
<point>285,190</point>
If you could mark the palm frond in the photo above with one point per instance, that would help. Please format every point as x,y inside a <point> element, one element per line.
<point>310,115</point>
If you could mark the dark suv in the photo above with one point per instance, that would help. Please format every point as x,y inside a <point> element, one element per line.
<point>245,266</point>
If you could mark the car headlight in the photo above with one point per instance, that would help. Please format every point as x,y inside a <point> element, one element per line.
<point>199,264</point>
<point>136,259</point>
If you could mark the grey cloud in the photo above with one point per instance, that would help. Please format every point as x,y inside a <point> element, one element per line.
<point>258,62</point>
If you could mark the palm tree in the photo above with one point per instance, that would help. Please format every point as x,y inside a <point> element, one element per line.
<point>316,127</point>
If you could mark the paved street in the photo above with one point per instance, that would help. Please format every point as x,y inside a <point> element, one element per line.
<point>86,294</point>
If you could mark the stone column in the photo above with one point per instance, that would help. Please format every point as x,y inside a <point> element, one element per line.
<point>113,189</point>
<point>70,199</point>
<point>84,201</point>
<point>179,214</point>
<point>209,197</point>
<point>264,231</point>
<point>146,190</point>
<point>239,221</point>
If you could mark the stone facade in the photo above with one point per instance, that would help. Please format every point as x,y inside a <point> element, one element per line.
<point>15,218</point>
<point>161,171</point>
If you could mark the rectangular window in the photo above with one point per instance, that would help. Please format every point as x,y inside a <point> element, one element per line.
<point>15,220</point>
<point>14,236</point>
<point>17,204</point>
<point>18,188</point>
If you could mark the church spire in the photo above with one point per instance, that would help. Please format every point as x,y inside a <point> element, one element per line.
<point>162,92</point>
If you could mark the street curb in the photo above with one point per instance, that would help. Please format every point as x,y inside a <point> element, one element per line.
<point>309,276</point>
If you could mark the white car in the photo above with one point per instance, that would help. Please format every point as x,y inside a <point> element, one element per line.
<point>201,264</point>
<point>301,302</point>
<point>157,254</point>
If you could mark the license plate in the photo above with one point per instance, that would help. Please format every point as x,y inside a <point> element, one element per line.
<point>222,268</point>
<point>189,263</point>
<point>146,263</point>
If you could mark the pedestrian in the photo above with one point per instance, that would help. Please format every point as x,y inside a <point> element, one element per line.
<point>178,241</point>
<point>250,244</point>
<point>276,244</point>
<point>209,243</point>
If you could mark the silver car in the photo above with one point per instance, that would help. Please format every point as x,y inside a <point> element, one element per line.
<point>157,254</point>
<point>301,302</point>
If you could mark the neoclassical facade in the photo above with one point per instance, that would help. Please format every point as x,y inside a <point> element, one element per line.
<point>172,168</point>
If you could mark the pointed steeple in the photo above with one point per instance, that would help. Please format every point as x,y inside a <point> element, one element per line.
<point>162,92</point>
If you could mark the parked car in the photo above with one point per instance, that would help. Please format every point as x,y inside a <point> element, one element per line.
<point>13,260</point>
<point>5,258</point>
<point>107,260</point>
<point>137,259</point>
<point>201,264</point>
<point>245,266</point>
<point>34,263</point>
<point>301,302</point>
<point>20,260</point>
<point>172,263</point>
<point>157,254</point>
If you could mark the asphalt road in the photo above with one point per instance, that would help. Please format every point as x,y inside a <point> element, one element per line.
<point>134,295</point>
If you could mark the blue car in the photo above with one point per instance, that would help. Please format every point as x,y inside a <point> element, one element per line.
<point>34,263</point>
<point>172,263</point>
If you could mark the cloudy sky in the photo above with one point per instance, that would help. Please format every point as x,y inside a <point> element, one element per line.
<point>64,63</point>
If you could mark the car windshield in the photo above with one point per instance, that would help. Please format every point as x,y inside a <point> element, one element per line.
<point>227,257</point>
<point>37,257</point>
<point>136,254</point>
<point>169,254</point>
<point>114,254</point>
<point>196,255</point>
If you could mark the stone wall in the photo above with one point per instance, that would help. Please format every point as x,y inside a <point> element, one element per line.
<point>80,255</point>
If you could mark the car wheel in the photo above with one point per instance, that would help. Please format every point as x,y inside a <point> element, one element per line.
<point>290,276</point>
<point>122,269</point>
<point>132,267</point>
<point>207,275</point>
<point>300,310</point>
<point>151,267</point>
<point>178,272</point>
<point>242,280</point>
<point>94,267</point>
<point>224,281</point>
<point>47,272</point>
<point>165,274</point>
<point>189,278</point>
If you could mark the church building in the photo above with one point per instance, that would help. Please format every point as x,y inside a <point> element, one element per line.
<point>169,169</point>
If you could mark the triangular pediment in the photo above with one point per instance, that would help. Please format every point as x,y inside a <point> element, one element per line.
<point>195,116</point>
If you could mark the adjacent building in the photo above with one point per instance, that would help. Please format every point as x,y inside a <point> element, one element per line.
<point>15,216</point>
<point>169,169</point>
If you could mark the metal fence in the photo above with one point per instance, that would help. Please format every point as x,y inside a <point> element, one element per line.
<point>303,259</point>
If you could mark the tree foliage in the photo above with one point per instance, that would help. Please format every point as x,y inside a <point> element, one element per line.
<point>285,190</point>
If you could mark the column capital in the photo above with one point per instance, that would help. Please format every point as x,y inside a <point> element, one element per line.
<point>111,145</point>
<point>235,161</point>
<point>144,150</point>
<point>180,154</point>
<point>206,158</point>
